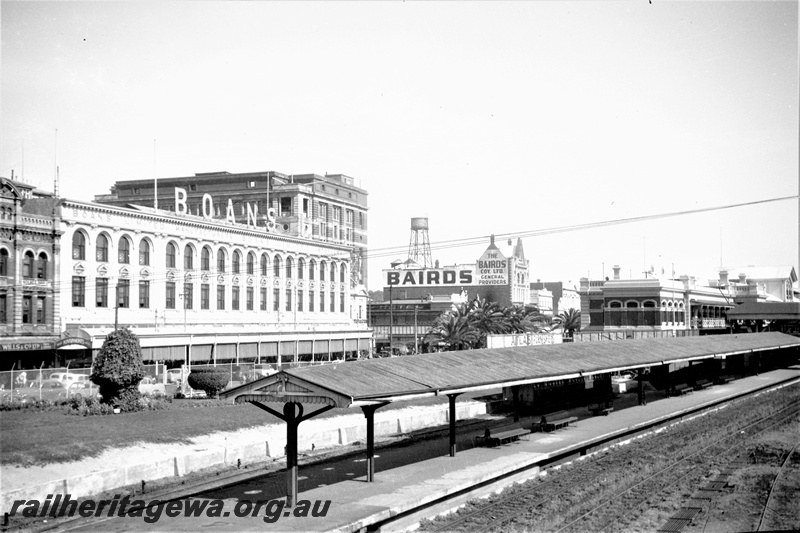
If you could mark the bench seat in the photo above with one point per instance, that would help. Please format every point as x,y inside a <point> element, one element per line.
<point>557,420</point>
<point>600,410</point>
<point>499,435</point>
<point>702,384</point>
<point>683,388</point>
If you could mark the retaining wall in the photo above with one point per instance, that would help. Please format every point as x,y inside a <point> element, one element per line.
<point>325,433</point>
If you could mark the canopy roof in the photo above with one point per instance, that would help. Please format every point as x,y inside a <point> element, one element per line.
<point>400,378</point>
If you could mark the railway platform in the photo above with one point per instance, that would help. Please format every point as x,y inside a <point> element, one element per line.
<point>406,494</point>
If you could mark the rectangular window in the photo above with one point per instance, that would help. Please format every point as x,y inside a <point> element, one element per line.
<point>341,302</point>
<point>220,296</point>
<point>249,298</point>
<point>40,310</point>
<point>288,299</point>
<point>124,293</point>
<point>276,299</point>
<point>78,291</point>
<point>305,206</point>
<point>263,297</point>
<point>101,292</point>
<point>3,312</point>
<point>235,299</point>
<point>188,296</point>
<point>337,213</point>
<point>26,310</point>
<point>170,295</point>
<point>204,296</point>
<point>349,215</point>
<point>311,301</point>
<point>333,301</point>
<point>299,300</point>
<point>144,294</point>
<point>321,302</point>
<point>286,207</point>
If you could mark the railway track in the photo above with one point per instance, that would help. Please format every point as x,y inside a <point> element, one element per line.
<point>629,480</point>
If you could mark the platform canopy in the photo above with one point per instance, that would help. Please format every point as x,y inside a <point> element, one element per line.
<point>373,381</point>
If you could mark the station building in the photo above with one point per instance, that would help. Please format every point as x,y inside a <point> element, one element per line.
<point>194,288</point>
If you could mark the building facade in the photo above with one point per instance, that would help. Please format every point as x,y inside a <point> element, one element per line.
<point>29,275</point>
<point>204,289</point>
<point>677,304</point>
<point>328,209</point>
<point>414,297</point>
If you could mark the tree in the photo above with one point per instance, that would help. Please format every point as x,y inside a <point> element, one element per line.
<point>455,329</point>
<point>488,318</point>
<point>569,321</point>
<point>118,369</point>
<point>209,379</point>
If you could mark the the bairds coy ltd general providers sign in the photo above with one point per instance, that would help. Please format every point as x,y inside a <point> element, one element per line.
<point>491,269</point>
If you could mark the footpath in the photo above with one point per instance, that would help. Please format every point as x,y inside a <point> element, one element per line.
<point>143,463</point>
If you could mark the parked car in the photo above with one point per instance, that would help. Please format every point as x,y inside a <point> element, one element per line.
<point>69,377</point>
<point>83,389</point>
<point>55,390</point>
<point>150,386</point>
<point>174,375</point>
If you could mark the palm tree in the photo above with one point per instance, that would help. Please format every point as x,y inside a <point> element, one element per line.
<point>455,329</point>
<point>569,321</point>
<point>523,319</point>
<point>488,318</point>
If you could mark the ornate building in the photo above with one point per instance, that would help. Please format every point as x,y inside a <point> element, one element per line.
<point>29,275</point>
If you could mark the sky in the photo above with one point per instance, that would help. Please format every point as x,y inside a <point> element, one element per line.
<point>503,118</point>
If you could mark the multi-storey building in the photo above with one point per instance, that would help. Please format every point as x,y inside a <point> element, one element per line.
<point>329,208</point>
<point>199,288</point>
<point>29,275</point>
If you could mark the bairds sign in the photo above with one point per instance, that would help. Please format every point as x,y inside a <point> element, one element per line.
<point>207,210</point>
<point>434,277</point>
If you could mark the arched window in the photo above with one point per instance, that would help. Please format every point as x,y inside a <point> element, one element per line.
<point>312,267</point>
<point>276,266</point>
<point>4,261</point>
<point>264,264</point>
<point>188,258</point>
<point>221,260</point>
<point>251,263</point>
<point>237,261</point>
<point>144,252</point>
<point>41,266</point>
<point>124,251</point>
<point>289,265</point>
<point>322,267</point>
<point>632,305</point>
<point>341,273</point>
<point>301,265</point>
<point>615,305</point>
<point>333,271</point>
<point>78,245</point>
<point>172,251</point>
<point>27,265</point>
<point>101,253</point>
<point>205,259</point>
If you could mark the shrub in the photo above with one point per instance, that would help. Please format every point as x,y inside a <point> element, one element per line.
<point>88,406</point>
<point>211,380</point>
<point>118,369</point>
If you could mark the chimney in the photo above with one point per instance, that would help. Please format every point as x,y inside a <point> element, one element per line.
<point>742,278</point>
<point>616,271</point>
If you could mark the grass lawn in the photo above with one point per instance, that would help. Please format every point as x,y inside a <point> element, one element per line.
<point>30,437</point>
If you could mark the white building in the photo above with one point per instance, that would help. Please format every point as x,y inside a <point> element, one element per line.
<point>206,289</point>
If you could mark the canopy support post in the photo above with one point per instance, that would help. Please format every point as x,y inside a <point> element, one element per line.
<point>369,412</point>
<point>452,398</point>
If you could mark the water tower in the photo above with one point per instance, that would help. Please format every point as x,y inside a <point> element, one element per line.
<point>419,247</point>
